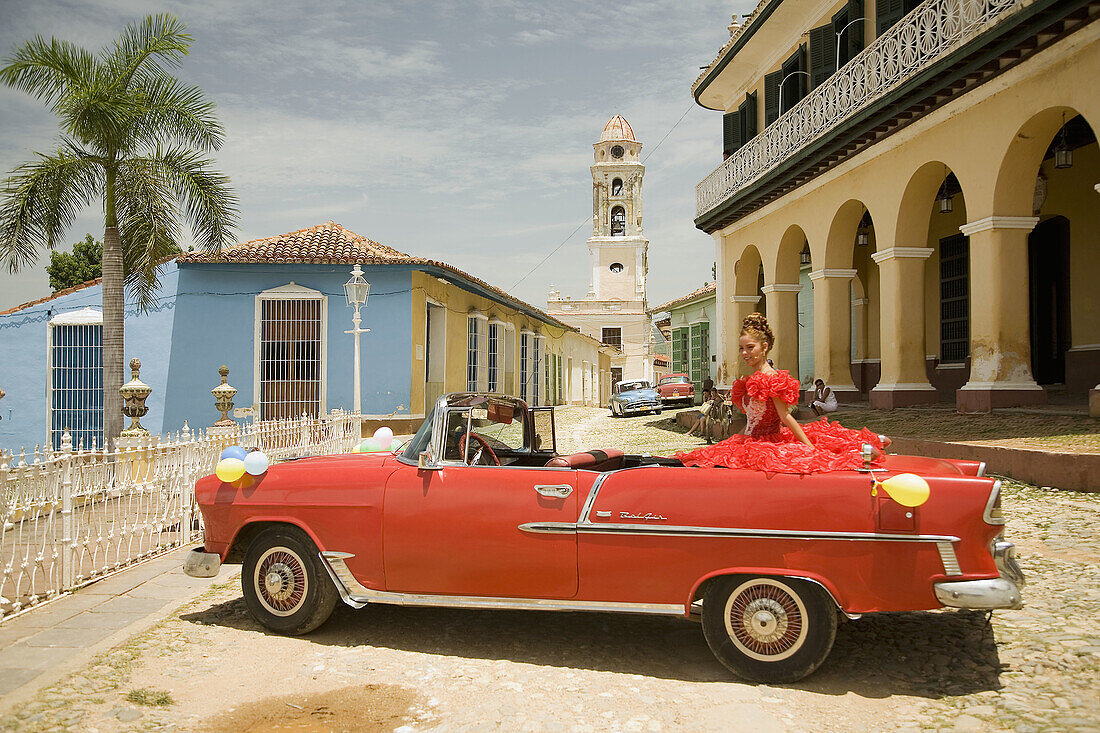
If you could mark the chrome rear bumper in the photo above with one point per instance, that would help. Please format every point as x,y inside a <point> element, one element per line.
<point>202,564</point>
<point>991,593</point>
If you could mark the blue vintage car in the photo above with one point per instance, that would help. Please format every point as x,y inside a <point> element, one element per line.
<point>634,395</point>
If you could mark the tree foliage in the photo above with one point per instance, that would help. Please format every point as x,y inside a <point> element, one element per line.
<point>84,263</point>
<point>132,136</point>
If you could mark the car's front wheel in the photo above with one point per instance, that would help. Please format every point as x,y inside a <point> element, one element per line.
<point>285,586</point>
<point>769,629</point>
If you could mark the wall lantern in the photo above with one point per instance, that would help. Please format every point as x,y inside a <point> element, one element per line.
<point>804,256</point>
<point>945,197</point>
<point>863,235</point>
<point>1063,154</point>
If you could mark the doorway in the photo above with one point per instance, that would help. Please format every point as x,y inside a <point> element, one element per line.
<point>1048,278</point>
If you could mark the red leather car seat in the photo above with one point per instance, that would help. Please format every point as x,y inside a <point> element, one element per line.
<point>590,460</point>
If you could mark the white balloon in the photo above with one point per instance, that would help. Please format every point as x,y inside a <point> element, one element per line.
<point>255,463</point>
<point>384,436</point>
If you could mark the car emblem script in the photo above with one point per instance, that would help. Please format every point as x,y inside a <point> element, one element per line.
<point>646,516</point>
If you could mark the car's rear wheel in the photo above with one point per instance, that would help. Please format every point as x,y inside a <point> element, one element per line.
<point>286,588</point>
<point>769,629</point>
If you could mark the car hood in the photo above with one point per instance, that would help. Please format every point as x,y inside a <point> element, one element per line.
<point>638,394</point>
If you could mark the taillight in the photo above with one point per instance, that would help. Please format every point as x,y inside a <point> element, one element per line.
<point>993,514</point>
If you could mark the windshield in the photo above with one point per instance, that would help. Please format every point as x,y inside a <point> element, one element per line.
<point>674,380</point>
<point>419,442</point>
<point>630,386</point>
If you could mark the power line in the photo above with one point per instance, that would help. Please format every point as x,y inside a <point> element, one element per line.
<point>627,182</point>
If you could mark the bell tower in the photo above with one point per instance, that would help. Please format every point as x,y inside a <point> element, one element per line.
<point>617,248</point>
<point>613,310</point>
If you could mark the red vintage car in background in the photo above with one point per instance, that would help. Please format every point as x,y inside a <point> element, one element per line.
<point>676,388</point>
<point>480,511</point>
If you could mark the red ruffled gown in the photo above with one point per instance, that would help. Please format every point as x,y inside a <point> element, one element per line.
<point>767,445</point>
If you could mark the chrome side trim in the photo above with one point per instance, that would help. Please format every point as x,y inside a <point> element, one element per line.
<point>678,531</point>
<point>592,496</point>
<point>947,556</point>
<point>549,528</point>
<point>988,515</point>
<point>982,595</point>
<point>685,531</point>
<point>981,469</point>
<point>357,596</point>
<point>558,491</point>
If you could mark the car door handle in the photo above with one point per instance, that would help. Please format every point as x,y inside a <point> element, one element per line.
<point>556,490</point>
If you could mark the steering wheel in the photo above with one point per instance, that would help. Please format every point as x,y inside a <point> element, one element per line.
<point>484,450</point>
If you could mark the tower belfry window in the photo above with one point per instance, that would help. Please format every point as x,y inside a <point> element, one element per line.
<point>618,221</point>
<point>617,187</point>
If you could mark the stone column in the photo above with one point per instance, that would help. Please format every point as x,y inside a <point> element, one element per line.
<point>1000,338</point>
<point>859,342</point>
<point>833,330</point>
<point>742,306</point>
<point>903,379</point>
<point>781,301</point>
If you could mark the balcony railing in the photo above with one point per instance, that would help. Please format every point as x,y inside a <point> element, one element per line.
<point>929,32</point>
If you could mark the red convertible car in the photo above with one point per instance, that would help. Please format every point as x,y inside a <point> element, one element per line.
<point>478,510</point>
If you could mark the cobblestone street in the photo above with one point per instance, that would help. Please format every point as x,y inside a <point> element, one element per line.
<point>211,667</point>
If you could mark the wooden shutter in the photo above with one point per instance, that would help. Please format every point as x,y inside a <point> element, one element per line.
<point>731,133</point>
<point>771,96</point>
<point>747,111</point>
<point>855,31</point>
<point>888,12</point>
<point>822,54</point>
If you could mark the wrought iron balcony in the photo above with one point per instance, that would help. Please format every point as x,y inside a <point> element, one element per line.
<point>924,36</point>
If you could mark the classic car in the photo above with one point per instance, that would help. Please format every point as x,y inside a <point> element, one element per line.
<point>633,395</point>
<point>479,510</point>
<point>676,388</point>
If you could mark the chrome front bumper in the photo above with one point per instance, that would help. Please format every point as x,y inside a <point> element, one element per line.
<point>202,564</point>
<point>989,594</point>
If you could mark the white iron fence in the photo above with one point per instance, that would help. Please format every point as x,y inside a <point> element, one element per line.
<point>927,33</point>
<point>72,516</point>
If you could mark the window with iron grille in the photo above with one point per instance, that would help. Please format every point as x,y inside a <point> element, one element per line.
<point>76,382</point>
<point>559,394</point>
<point>291,356</point>
<point>471,354</point>
<point>954,299</point>
<point>536,368</point>
<point>613,337</point>
<point>494,355</point>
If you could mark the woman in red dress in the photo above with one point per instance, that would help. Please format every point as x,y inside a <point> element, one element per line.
<point>773,440</point>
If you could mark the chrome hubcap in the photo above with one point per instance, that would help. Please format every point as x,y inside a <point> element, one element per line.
<point>280,581</point>
<point>766,620</point>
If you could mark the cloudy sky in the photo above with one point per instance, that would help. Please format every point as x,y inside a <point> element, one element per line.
<point>460,130</point>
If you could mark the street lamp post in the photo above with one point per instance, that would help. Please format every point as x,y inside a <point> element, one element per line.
<point>838,35</point>
<point>784,81</point>
<point>356,290</point>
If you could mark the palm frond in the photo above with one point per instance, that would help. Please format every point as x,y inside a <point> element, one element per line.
<point>49,70</point>
<point>40,200</point>
<point>148,224</point>
<point>208,200</point>
<point>172,110</point>
<point>145,45</point>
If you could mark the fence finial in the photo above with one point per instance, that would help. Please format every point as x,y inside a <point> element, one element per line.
<point>134,393</point>
<point>223,398</point>
<point>66,442</point>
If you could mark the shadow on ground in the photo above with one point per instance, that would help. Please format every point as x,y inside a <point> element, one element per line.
<point>933,654</point>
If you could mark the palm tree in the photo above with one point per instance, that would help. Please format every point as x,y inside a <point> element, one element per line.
<point>132,137</point>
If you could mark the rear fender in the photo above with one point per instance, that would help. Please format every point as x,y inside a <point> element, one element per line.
<point>830,588</point>
<point>234,553</point>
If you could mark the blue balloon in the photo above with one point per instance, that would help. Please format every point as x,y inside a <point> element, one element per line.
<point>235,451</point>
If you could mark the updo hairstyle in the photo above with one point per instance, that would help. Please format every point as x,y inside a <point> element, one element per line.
<point>756,326</point>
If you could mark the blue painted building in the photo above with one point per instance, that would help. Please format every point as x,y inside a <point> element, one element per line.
<point>273,310</point>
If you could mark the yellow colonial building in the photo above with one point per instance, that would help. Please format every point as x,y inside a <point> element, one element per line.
<point>933,168</point>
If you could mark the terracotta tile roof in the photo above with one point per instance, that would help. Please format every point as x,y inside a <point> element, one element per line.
<point>332,244</point>
<point>324,244</point>
<point>706,290</point>
<point>52,296</point>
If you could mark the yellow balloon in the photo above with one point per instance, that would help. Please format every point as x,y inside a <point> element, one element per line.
<point>230,469</point>
<point>907,489</point>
